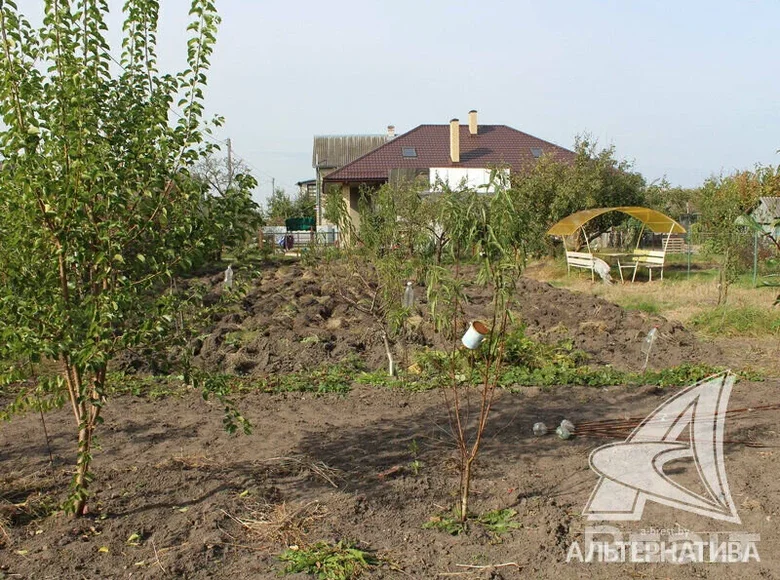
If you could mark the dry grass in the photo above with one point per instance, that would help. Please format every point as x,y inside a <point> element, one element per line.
<point>681,300</point>
<point>5,539</point>
<point>193,461</point>
<point>299,463</point>
<point>285,523</point>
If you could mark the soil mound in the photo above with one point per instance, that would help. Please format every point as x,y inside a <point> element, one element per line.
<point>296,318</point>
<point>609,333</point>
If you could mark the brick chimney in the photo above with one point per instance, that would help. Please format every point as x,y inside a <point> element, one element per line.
<point>391,131</point>
<point>455,141</point>
<point>473,122</point>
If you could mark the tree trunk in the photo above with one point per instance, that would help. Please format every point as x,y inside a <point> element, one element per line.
<point>465,485</point>
<point>81,481</point>
<point>87,416</point>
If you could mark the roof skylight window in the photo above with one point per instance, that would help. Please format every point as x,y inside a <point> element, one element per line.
<point>408,152</point>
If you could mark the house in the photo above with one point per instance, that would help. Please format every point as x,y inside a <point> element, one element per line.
<point>452,154</point>
<point>307,188</point>
<point>767,215</point>
<point>332,152</point>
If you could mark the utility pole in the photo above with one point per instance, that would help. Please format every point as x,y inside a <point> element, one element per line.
<point>229,162</point>
<point>273,186</point>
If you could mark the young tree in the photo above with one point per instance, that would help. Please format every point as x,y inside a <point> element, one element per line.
<point>724,200</point>
<point>98,206</point>
<point>398,240</point>
<point>495,228</point>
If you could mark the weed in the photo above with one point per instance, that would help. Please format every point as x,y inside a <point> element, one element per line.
<point>239,338</point>
<point>415,464</point>
<point>533,363</point>
<point>152,388</point>
<point>684,374</point>
<point>449,524</point>
<point>496,522</point>
<point>335,378</point>
<point>499,522</point>
<point>341,561</point>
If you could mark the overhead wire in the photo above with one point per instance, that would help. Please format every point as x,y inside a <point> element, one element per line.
<point>208,135</point>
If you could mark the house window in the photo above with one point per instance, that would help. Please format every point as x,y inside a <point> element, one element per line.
<point>409,152</point>
<point>536,152</point>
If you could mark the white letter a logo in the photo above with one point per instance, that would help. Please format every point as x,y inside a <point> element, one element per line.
<point>632,471</point>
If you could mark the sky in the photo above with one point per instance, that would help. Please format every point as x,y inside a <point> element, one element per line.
<point>682,89</point>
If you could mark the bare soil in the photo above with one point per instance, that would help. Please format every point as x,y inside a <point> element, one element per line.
<point>295,318</point>
<point>176,497</point>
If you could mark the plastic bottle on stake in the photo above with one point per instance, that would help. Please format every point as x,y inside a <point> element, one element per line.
<point>229,277</point>
<point>408,296</point>
<point>647,345</point>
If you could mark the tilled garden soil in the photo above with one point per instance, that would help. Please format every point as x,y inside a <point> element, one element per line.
<point>176,497</point>
<point>295,318</point>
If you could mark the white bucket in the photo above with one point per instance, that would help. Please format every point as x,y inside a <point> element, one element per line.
<point>475,335</point>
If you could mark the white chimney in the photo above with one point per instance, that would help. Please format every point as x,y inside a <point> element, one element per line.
<point>473,122</point>
<point>455,141</point>
<point>391,131</point>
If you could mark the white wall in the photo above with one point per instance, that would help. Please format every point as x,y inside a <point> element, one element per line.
<point>458,177</point>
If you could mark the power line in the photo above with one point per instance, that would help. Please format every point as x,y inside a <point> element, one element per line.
<point>215,140</point>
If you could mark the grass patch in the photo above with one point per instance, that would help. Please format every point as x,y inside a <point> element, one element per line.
<point>530,363</point>
<point>239,338</point>
<point>341,561</point>
<point>738,321</point>
<point>335,378</point>
<point>649,306</point>
<point>151,388</point>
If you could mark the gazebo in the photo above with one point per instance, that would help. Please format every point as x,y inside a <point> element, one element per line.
<point>653,220</point>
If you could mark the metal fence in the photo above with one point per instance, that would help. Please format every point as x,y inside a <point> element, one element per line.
<point>280,238</point>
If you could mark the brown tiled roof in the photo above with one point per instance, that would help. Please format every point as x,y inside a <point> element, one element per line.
<point>493,145</point>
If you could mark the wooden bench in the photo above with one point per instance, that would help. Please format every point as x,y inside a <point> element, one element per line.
<point>647,259</point>
<point>580,260</point>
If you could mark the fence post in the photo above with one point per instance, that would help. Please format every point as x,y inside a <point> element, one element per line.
<point>755,258</point>
<point>688,246</point>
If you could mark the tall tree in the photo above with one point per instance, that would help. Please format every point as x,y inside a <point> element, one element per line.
<point>97,203</point>
<point>280,206</point>
<point>553,189</point>
<point>232,213</point>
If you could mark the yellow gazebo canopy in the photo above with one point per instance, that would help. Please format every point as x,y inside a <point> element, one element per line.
<point>654,220</point>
